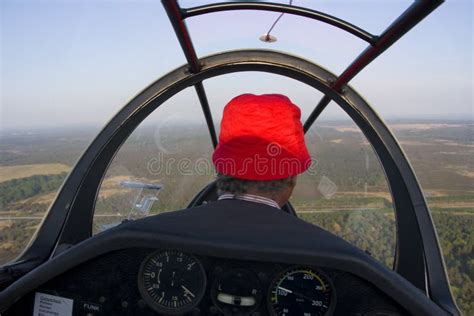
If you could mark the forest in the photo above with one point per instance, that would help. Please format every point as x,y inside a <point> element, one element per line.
<point>19,189</point>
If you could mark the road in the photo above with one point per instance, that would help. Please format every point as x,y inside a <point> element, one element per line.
<point>14,218</point>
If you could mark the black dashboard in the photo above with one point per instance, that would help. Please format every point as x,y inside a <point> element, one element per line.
<point>227,258</point>
<point>110,285</point>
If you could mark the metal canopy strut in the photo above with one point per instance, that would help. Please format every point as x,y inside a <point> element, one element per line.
<point>174,14</point>
<point>411,17</point>
<point>284,8</point>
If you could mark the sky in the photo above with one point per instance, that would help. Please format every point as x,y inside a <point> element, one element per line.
<point>76,63</point>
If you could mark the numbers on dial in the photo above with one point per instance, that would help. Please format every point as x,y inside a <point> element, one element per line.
<point>301,291</point>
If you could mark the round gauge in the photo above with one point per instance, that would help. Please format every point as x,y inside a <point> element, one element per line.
<point>301,291</point>
<point>237,292</point>
<point>171,282</point>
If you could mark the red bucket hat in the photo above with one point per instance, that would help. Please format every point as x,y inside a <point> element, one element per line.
<point>261,138</point>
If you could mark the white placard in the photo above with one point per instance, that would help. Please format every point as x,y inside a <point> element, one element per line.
<point>51,305</point>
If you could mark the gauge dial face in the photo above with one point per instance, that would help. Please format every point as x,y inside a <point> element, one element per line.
<point>172,282</point>
<point>301,291</point>
<point>237,292</point>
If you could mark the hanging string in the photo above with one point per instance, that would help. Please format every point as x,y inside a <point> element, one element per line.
<point>270,38</point>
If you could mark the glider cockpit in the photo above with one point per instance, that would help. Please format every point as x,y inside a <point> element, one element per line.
<point>232,263</point>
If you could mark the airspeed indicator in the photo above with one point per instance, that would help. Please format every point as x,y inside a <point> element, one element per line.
<point>301,291</point>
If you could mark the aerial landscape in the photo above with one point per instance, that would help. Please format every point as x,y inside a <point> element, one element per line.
<point>131,80</point>
<point>345,190</point>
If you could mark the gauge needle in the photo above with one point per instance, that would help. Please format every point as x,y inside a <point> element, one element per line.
<point>187,291</point>
<point>305,297</point>
<point>286,290</point>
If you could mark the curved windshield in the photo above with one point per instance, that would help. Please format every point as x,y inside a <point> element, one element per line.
<point>162,165</point>
<point>344,192</point>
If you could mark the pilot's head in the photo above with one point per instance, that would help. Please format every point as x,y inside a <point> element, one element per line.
<point>261,147</point>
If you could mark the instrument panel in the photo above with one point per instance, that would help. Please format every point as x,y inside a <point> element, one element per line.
<point>173,283</point>
<point>142,281</point>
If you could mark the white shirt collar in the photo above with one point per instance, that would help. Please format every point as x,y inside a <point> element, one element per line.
<point>250,198</point>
